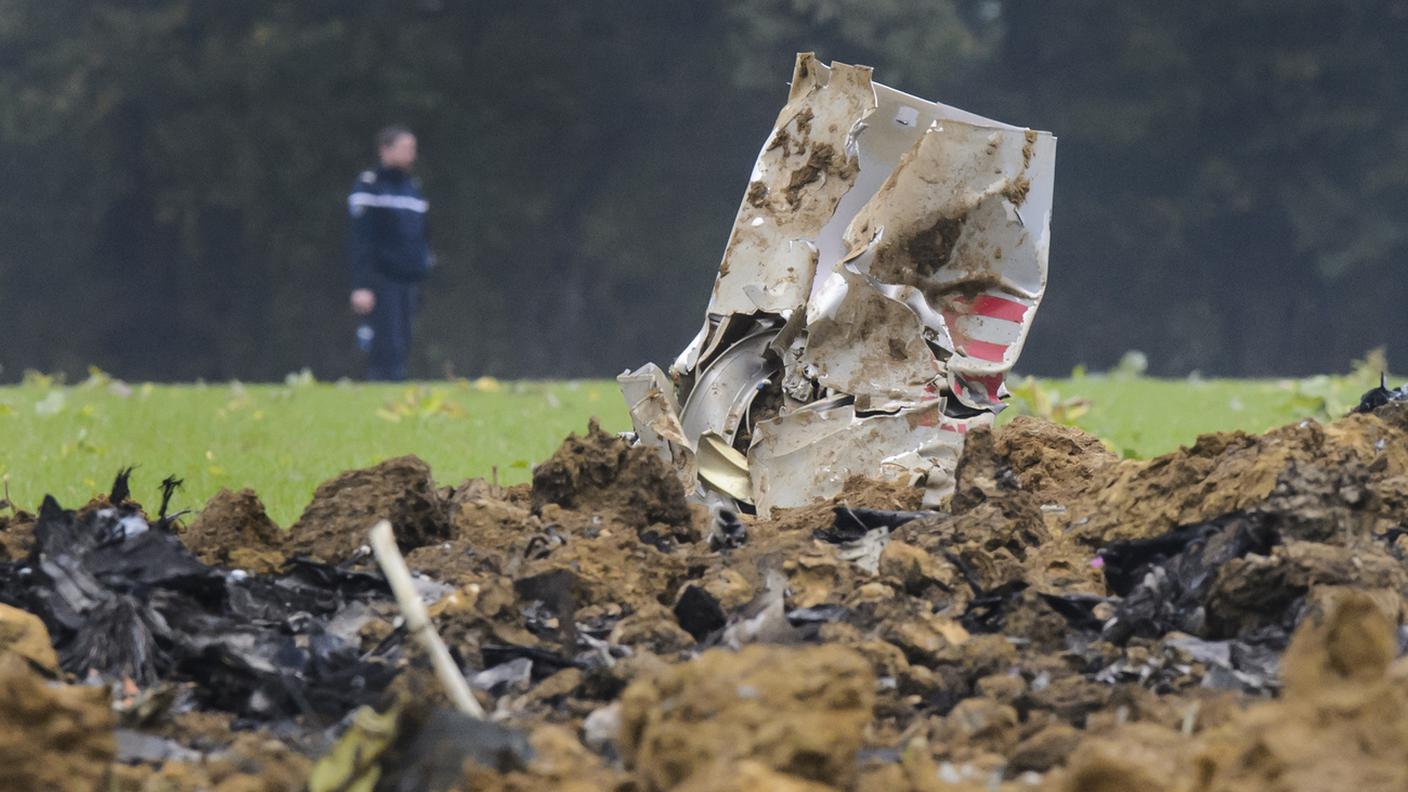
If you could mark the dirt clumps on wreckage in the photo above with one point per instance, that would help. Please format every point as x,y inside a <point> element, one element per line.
<point>685,610</point>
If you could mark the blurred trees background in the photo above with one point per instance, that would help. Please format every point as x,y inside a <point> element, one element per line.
<point>1232,178</point>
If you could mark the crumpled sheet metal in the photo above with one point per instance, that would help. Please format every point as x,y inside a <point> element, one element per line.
<point>654,413</point>
<point>866,340</point>
<point>816,448</point>
<point>883,271</point>
<point>808,164</point>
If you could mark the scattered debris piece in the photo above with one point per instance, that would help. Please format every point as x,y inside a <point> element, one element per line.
<point>393,566</point>
<point>1342,722</point>
<point>1378,397</point>
<point>126,601</point>
<point>412,747</point>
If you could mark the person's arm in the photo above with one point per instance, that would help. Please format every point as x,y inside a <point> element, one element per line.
<point>360,249</point>
<point>425,229</point>
<point>429,251</point>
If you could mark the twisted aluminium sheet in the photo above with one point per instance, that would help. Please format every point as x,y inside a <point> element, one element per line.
<point>881,276</point>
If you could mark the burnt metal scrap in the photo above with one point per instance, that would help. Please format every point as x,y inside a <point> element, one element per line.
<point>1380,396</point>
<point>123,599</point>
<point>882,273</point>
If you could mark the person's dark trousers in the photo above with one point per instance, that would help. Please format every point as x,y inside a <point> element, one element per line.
<point>391,327</point>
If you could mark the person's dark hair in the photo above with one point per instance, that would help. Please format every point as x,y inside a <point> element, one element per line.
<point>388,135</point>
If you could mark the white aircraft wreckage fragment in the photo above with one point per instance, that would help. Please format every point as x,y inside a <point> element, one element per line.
<point>878,285</point>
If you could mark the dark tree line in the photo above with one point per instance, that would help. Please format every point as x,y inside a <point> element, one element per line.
<point>1232,189</point>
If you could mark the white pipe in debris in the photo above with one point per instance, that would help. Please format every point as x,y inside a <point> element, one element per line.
<point>393,566</point>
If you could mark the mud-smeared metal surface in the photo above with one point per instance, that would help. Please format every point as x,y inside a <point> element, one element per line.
<point>885,265</point>
<point>1224,618</point>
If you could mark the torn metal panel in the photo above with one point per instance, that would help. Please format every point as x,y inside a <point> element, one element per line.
<point>884,267</point>
<point>974,245</point>
<point>654,413</point>
<point>807,164</point>
<point>722,467</point>
<point>808,455</point>
<point>652,404</point>
<point>897,125</point>
<point>725,390</point>
<point>866,343</point>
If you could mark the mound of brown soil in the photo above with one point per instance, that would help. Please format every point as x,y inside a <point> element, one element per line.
<point>23,634</point>
<point>234,530</point>
<point>600,472</point>
<point>1348,476</point>
<point>1053,462</point>
<point>334,526</point>
<point>801,712</point>
<point>16,535</point>
<point>52,736</point>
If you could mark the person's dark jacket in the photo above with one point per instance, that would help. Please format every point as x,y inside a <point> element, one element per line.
<point>389,229</point>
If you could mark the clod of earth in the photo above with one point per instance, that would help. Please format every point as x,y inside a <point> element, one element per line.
<point>16,535</point>
<point>52,736</point>
<point>334,526</point>
<point>599,473</point>
<point>234,530</point>
<point>22,635</point>
<point>798,711</point>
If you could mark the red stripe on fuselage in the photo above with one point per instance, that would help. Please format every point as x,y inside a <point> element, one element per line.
<point>999,308</point>
<point>982,350</point>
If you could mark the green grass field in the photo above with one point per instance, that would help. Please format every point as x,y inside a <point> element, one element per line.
<point>283,440</point>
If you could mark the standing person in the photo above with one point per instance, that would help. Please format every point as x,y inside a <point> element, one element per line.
<point>390,253</point>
